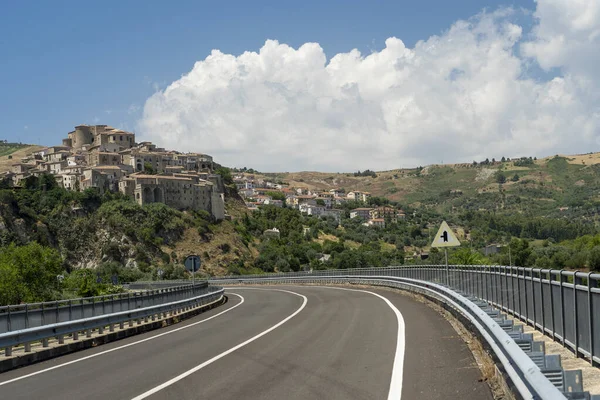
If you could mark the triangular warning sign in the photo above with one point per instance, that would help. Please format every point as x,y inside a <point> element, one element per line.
<point>445,237</point>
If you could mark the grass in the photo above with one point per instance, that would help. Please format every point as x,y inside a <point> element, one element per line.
<point>9,148</point>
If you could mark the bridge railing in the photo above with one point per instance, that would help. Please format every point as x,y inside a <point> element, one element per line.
<point>169,307</point>
<point>31,315</point>
<point>564,305</point>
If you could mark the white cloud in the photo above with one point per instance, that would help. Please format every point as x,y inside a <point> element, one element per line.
<point>459,96</point>
<point>133,109</point>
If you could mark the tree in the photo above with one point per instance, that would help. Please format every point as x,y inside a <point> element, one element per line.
<point>465,256</point>
<point>594,258</point>
<point>515,178</point>
<point>320,202</point>
<point>29,274</point>
<point>503,159</point>
<point>276,195</point>
<point>500,177</point>
<point>148,169</point>
<point>226,175</point>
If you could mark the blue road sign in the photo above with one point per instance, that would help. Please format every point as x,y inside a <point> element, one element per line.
<point>192,263</point>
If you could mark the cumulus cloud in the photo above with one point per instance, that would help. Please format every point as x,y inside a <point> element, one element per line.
<point>465,94</point>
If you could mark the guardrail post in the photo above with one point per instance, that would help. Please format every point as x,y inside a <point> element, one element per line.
<point>526,297</point>
<point>591,317</point>
<point>101,330</point>
<point>501,297</point>
<point>506,305</point>
<point>552,319</point>
<point>27,347</point>
<point>45,342</point>
<point>111,327</point>
<point>542,273</point>
<point>88,333</point>
<point>562,307</point>
<point>8,351</point>
<point>575,316</point>
<point>61,339</point>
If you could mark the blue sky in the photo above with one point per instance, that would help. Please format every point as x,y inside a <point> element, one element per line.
<point>64,63</point>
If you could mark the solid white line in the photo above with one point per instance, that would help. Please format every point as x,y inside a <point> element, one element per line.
<point>217,357</point>
<point>122,347</point>
<point>395,392</point>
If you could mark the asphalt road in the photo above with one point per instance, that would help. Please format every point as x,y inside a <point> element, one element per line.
<point>272,343</point>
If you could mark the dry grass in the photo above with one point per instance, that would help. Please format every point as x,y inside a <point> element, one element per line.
<point>6,163</point>
<point>584,159</point>
<point>217,261</point>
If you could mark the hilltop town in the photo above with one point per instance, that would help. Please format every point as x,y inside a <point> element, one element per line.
<point>319,203</point>
<point>110,159</point>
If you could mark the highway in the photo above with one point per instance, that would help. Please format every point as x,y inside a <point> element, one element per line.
<point>292,342</point>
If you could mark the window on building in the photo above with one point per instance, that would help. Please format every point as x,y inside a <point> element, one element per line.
<point>121,138</point>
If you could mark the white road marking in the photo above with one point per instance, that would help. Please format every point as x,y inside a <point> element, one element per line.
<point>231,350</point>
<point>395,392</point>
<point>122,347</point>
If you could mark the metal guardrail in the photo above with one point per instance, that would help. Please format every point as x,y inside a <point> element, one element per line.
<point>148,285</point>
<point>565,305</point>
<point>25,316</point>
<point>59,330</point>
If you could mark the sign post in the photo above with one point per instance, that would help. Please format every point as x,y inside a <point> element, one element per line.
<point>192,264</point>
<point>445,238</point>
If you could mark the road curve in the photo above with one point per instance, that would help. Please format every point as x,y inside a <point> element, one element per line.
<point>272,343</point>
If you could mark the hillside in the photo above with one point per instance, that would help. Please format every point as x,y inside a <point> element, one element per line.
<point>549,186</point>
<point>11,153</point>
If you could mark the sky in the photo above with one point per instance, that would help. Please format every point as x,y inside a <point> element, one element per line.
<point>330,86</point>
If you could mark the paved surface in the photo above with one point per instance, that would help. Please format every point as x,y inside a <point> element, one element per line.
<point>341,345</point>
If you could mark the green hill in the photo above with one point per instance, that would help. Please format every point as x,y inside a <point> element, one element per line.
<point>555,186</point>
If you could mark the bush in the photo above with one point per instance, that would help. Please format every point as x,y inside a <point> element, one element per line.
<point>29,274</point>
<point>594,258</point>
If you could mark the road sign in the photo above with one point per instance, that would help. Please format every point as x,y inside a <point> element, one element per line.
<point>445,237</point>
<point>192,263</point>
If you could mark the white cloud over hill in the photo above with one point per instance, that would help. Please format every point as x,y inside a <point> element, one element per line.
<point>473,92</point>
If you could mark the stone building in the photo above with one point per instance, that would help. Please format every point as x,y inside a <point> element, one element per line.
<point>182,192</point>
<point>86,136</point>
<point>109,159</point>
